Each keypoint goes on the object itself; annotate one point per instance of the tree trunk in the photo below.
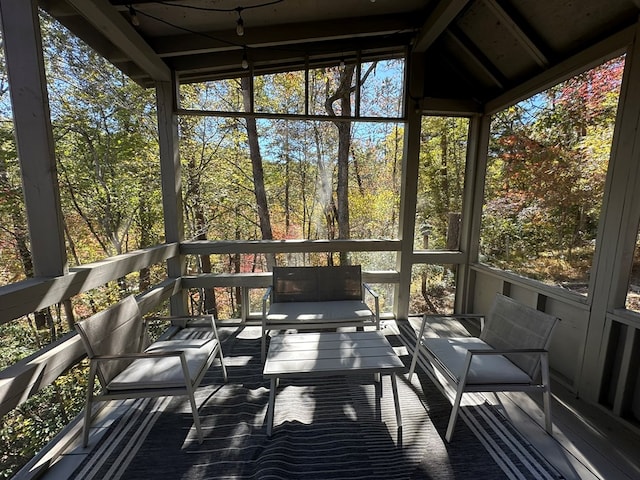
(453, 231)
(343, 94)
(258, 172)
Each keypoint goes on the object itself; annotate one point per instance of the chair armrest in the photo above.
(265, 299)
(376, 301)
(180, 320)
(423, 325)
(506, 351)
(135, 356)
(371, 291)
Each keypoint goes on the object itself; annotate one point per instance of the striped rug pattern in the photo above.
(326, 428)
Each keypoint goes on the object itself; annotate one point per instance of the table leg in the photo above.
(396, 400)
(272, 405)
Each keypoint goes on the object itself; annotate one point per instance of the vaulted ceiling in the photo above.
(471, 49)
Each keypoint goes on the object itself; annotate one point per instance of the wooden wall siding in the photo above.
(567, 343)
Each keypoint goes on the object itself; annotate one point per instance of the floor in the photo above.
(587, 443)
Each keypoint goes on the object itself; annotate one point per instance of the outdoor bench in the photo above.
(116, 341)
(311, 298)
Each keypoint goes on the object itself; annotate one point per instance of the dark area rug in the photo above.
(327, 428)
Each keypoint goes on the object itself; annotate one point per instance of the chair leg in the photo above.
(454, 412)
(417, 347)
(462, 383)
(191, 395)
(196, 417)
(548, 424)
(413, 361)
(88, 408)
(224, 367)
(546, 394)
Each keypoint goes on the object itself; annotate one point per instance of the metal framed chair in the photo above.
(115, 340)
(509, 355)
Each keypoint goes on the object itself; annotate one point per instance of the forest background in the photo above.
(274, 179)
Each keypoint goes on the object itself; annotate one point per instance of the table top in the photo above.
(326, 353)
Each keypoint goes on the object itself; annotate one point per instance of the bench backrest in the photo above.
(118, 329)
(511, 324)
(317, 284)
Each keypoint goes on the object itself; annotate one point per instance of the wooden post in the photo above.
(409, 185)
(617, 236)
(171, 184)
(34, 135)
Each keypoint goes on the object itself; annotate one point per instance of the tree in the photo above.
(258, 171)
(104, 127)
(545, 178)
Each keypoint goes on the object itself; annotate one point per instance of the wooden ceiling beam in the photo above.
(588, 58)
(473, 53)
(517, 28)
(208, 42)
(109, 22)
(288, 55)
(444, 13)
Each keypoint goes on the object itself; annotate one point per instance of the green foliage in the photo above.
(443, 151)
(28, 428)
(106, 147)
(545, 176)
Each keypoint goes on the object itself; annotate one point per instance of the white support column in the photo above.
(409, 185)
(171, 183)
(618, 229)
(34, 135)
(475, 173)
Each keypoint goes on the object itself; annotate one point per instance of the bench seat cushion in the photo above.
(318, 312)
(146, 373)
(485, 369)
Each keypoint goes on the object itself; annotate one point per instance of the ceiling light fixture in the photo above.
(240, 22)
(245, 62)
(135, 21)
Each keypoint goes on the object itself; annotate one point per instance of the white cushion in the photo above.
(485, 369)
(165, 372)
(318, 312)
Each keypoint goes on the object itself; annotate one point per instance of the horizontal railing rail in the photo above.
(203, 247)
(30, 375)
(34, 294)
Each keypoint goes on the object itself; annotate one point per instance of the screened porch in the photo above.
(453, 149)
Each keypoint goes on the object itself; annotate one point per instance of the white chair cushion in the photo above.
(485, 369)
(318, 312)
(166, 372)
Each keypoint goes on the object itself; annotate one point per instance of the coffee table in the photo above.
(330, 353)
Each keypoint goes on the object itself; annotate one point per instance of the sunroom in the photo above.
(179, 150)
